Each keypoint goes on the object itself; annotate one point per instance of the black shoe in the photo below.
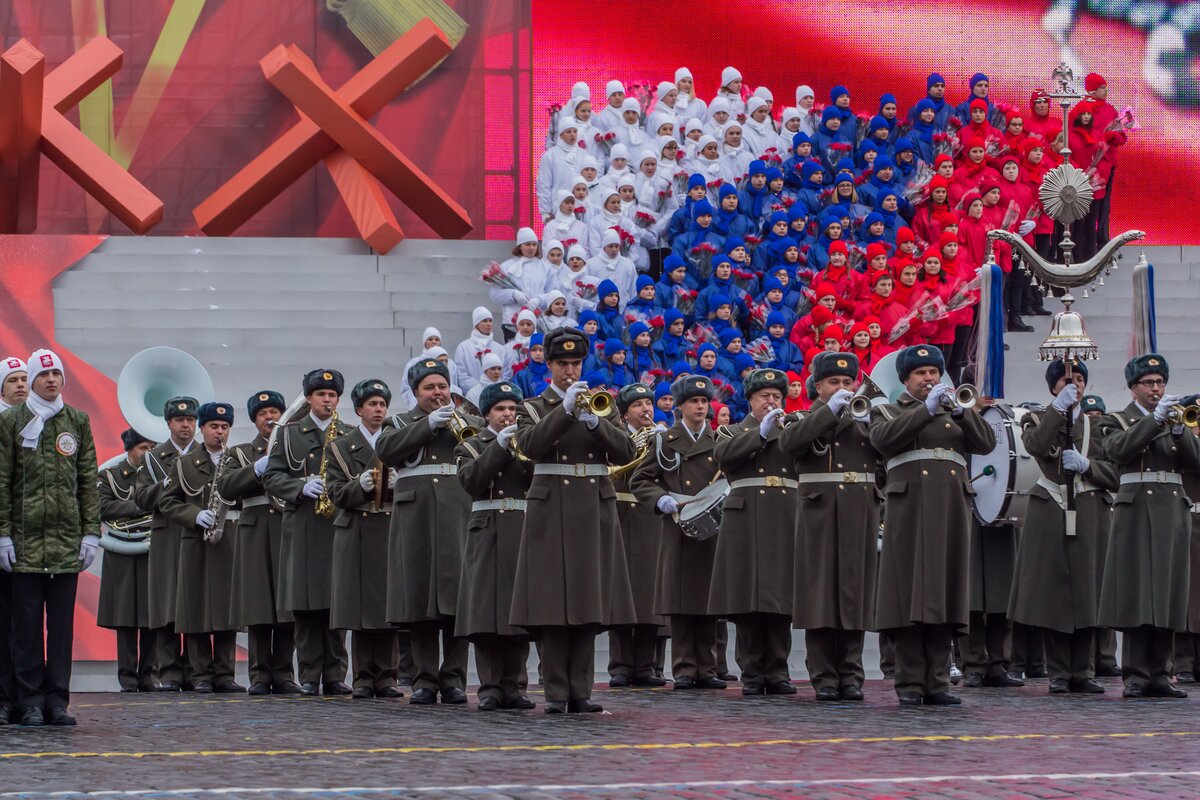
(362, 693)
(1037, 672)
(202, 687)
(287, 687)
(649, 680)
(259, 688)
(942, 699)
(336, 688)
(910, 699)
(619, 681)
(454, 696)
(148, 687)
(556, 707)
(752, 689)
(889, 676)
(490, 703)
(521, 703)
(404, 680)
(709, 683)
(1086, 686)
(583, 706)
(1106, 672)
(827, 693)
(1017, 325)
(389, 691)
(685, 683)
(310, 689)
(128, 689)
(58, 716)
(187, 686)
(229, 687)
(728, 677)
(169, 686)
(1164, 690)
(32, 717)
(6, 714)
(1185, 677)
(781, 687)
(1002, 681)
(851, 693)
(423, 697)
(1133, 690)
(973, 681)
(1040, 311)
(1060, 686)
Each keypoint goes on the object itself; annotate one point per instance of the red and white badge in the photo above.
(66, 443)
(47, 360)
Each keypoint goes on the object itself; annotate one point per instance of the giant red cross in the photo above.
(333, 128)
(32, 105)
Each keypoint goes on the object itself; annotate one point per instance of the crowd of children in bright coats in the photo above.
(717, 237)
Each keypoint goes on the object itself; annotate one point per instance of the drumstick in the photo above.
(988, 471)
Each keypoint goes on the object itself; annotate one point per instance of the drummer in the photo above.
(837, 529)
(681, 464)
(1060, 565)
(923, 594)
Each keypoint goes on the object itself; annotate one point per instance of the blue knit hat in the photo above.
(977, 77)
(595, 379)
(843, 176)
(702, 207)
(717, 300)
(871, 219)
(732, 243)
(925, 104)
(637, 329)
(742, 362)
(878, 122)
(707, 347)
(606, 288)
(837, 92)
(612, 346)
(885, 98)
(882, 162)
(809, 169)
(643, 281)
(933, 78)
(661, 389)
(672, 263)
(696, 181)
(776, 318)
(830, 112)
(800, 138)
(588, 315)
(728, 335)
(757, 167)
(844, 165)
(671, 316)
(726, 190)
(902, 145)
(770, 283)
(774, 174)
(775, 218)
(719, 259)
(682, 367)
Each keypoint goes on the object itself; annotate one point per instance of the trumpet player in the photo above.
(681, 464)
(124, 595)
(752, 570)
(294, 476)
(572, 578)
(1145, 589)
(206, 548)
(361, 490)
(428, 526)
(496, 478)
(631, 648)
(836, 528)
(923, 598)
(256, 557)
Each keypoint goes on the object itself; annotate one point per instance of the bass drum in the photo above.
(1003, 477)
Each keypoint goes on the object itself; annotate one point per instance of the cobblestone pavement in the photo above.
(651, 744)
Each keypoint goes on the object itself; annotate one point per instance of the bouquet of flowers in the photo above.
(657, 325)
(685, 300)
(680, 180)
(999, 117)
(862, 128)
(494, 275)
(643, 219)
(914, 190)
(567, 244)
(902, 327)
(955, 123)
(606, 140)
(586, 288)
(752, 242)
(996, 148)
(554, 109)
(967, 294)
(702, 334)
(644, 94)
(761, 350)
(723, 391)
(541, 322)
(836, 152)
(771, 156)
(702, 256)
(858, 258)
(627, 240)
(1125, 121)
(744, 279)
(946, 144)
(757, 313)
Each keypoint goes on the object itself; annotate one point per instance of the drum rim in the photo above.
(1011, 418)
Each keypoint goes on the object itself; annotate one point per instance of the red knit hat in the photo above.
(825, 290)
(976, 141)
(944, 219)
(938, 182)
(932, 252)
(905, 235)
(794, 377)
(943, 158)
(859, 327)
(875, 249)
(871, 319)
(1094, 81)
(833, 332)
(946, 238)
(979, 102)
(1031, 145)
(875, 275)
(838, 246)
(987, 185)
(821, 316)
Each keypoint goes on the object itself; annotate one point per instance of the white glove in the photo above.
(589, 419)
(1066, 398)
(260, 466)
(1074, 461)
(1164, 407)
(933, 401)
(87, 549)
(839, 401)
(8, 554)
(440, 417)
(1026, 226)
(520, 298)
(391, 478)
(769, 422)
(366, 479)
(205, 519)
(667, 504)
(505, 436)
(313, 487)
(571, 394)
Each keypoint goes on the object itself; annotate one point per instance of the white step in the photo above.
(153, 319)
(250, 283)
(232, 245)
(290, 264)
(331, 303)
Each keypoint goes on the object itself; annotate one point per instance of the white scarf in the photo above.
(370, 437)
(42, 410)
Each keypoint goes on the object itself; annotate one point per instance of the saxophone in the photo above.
(324, 505)
(217, 504)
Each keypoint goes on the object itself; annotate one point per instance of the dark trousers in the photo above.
(834, 657)
(986, 647)
(1015, 284)
(1083, 232)
(500, 661)
(444, 668)
(8, 687)
(721, 647)
(1104, 657)
(660, 655)
(375, 657)
(1069, 655)
(762, 645)
(1027, 650)
(887, 655)
(272, 650)
(959, 355)
(407, 670)
(568, 662)
(320, 651)
(1146, 655)
(693, 646)
(135, 658)
(1102, 236)
(1187, 651)
(42, 665)
(922, 658)
(170, 660)
(631, 650)
(212, 656)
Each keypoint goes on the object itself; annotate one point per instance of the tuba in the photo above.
(150, 379)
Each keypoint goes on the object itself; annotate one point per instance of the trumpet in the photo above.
(860, 408)
(964, 397)
(461, 428)
(595, 401)
(1188, 415)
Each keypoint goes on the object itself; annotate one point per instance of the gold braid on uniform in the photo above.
(724, 432)
(183, 484)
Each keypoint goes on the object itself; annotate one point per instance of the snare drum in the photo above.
(700, 518)
(1002, 494)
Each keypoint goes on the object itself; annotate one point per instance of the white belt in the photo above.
(1058, 490)
(626, 497)
(929, 454)
(232, 516)
(1158, 476)
(502, 504)
(572, 470)
(1196, 508)
(254, 502)
(836, 477)
(425, 470)
(772, 481)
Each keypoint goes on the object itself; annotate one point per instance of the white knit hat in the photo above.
(479, 315)
(43, 361)
(754, 104)
(610, 237)
(490, 360)
(729, 75)
(619, 150)
(612, 87)
(765, 94)
(526, 314)
(526, 236)
(790, 113)
(12, 364)
(803, 91)
(429, 332)
(577, 251)
(664, 87)
(630, 104)
(581, 89)
(681, 73)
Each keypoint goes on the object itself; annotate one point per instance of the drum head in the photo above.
(992, 492)
(705, 499)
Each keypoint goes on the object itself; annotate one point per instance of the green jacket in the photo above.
(48, 495)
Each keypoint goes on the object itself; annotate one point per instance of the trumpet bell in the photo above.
(150, 379)
(966, 396)
(596, 401)
(860, 407)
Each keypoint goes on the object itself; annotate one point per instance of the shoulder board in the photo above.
(725, 432)
(886, 412)
(1119, 418)
(1031, 419)
(532, 411)
(469, 446)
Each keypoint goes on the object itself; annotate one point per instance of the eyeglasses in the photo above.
(1152, 384)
